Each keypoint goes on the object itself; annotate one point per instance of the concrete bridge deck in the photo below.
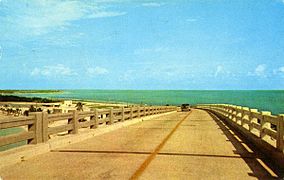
(181, 145)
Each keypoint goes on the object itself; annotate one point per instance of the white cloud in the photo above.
(152, 4)
(260, 70)
(127, 76)
(96, 71)
(106, 14)
(219, 70)
(279, 71)
(53, 71)
(38, 17)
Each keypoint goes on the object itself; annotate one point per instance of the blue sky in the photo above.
(111, 44)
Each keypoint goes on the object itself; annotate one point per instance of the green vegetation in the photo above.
(79, 106)
(7, 98)
(29, 91)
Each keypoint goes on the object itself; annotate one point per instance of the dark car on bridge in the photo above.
(185, 107)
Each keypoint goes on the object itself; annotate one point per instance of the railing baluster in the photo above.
(264, 123)
(252, 119)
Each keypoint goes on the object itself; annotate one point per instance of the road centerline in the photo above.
(149, 159)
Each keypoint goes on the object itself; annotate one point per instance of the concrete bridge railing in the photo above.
(262, 128)
(40, 126)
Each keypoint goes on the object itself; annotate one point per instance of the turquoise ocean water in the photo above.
(268, 100)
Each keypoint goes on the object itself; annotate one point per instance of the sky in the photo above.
(142, 44)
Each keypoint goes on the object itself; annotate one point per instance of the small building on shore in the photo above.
(68, 106)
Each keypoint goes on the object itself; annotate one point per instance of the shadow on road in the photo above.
(261, 166)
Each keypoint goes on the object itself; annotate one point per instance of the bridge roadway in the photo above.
(181, 145)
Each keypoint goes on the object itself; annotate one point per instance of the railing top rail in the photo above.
(59, 115)
(14, 119)
(42, 122)
(231, 106)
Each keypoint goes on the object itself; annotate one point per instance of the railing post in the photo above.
(244, 115)
(45, 127)
(251, 119)
(138, 111)
(74, 121)
(131, 113)
(264, 123)
(94, 120)
(239, 115)
(122, 114)
(234, 114)
(111, 117)
(280, 133)
(230, 112)
(226, 110)
(36, 127)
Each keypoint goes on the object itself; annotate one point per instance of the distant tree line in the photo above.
(7, 98)
(29, 91)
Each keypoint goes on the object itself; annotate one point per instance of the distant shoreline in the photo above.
(13, 99)
(29, 91)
